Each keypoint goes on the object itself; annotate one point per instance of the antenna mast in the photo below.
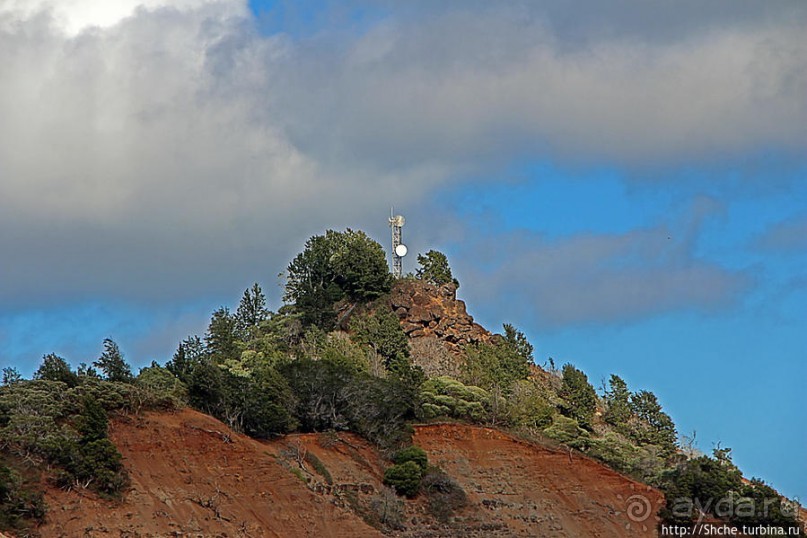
(399, 250)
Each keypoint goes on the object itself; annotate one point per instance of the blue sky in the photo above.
(626, 182)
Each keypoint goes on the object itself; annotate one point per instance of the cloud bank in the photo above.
(154, 150)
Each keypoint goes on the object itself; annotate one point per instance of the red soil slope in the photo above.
(521, 489)
(191, 476)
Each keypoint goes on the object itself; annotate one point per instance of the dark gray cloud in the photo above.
(173, 149)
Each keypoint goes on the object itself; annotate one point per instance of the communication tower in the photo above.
(399, 250)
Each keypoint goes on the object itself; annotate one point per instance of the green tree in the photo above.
(494, 365)
(10, 376)
(189, 354)
(580, 397)
(251, 311)
(434, 268)
(84, 370)
(335, 266)
(655, 426)
(55, 368)
(112, 364)
(518, 343)
(699, 483)
(221, 340)
(93, 423)
(381, 331)
(266, 401)
(617, 403)
(331, 396)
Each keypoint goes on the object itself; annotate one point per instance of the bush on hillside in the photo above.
(404, 478)
(447, 397)
(445, 496)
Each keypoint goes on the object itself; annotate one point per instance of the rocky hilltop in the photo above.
(428, 310)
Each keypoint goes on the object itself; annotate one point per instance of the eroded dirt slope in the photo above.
(191, 476)
(521, 489)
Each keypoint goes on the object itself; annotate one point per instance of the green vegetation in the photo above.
(55, 368)
(444, 494)
(404, 477)
(21, 504)
(381, 332)
(580, 399)
(714, 486)
(412, 453)
(113, 366)
(336, 266)
(449, 398)
(433, 267)
(499, 364)
(410, 466)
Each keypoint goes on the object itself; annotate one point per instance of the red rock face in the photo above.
(427, 310)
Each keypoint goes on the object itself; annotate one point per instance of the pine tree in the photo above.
(251, 311)
(617, 401)
(111, 363)
(55, 368)
(221, 338)
(581, 399)
(434, 268)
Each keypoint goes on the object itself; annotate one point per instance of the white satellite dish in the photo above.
(401, 250)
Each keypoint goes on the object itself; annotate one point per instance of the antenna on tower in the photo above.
(399, 250)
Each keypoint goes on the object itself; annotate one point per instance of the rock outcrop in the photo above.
(427, 310)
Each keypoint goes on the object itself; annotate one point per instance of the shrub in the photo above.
(528, 407)
(404, 478)
(340, 349)
(498, 364)
(761, 505)
(567, 431)
(331, 396)
(161, 388)
(444, 494)
(702, 481)
(20, 504)
(412, 453)
(642, 463)
(446, 397)
(318, 466)
(43, 421)
(381, 331)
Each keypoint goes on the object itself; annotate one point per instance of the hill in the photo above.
(364, 406)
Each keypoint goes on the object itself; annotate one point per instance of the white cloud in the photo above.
(74, 16)
(172, 148)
